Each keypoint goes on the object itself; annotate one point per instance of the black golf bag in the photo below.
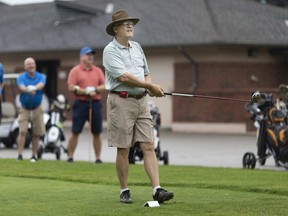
(272, 133)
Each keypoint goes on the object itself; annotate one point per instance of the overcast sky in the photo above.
(15, 2)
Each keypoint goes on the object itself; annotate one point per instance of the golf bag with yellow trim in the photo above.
(272, 133)
(277, 135)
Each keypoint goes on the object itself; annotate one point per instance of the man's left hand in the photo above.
(31, 88)
(90, 90)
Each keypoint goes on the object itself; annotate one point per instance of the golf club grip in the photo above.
(179, 94)
(167, 93)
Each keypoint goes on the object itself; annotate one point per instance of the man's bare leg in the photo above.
(150, 163)
(97, 146)
(21, 142)
(35, 143)
(151, 168)
(122, 166)
(72, 145)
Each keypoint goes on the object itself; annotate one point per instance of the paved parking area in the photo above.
(212, 150)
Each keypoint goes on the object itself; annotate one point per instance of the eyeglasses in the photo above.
(126, 24)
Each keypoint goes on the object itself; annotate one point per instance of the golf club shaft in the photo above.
(90, 127)
(206, 97)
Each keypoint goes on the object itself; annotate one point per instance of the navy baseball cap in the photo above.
(86, 50)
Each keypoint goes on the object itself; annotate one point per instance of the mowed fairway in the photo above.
(59, 188)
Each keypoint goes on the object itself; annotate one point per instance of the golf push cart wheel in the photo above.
(249, 161)
(166, 157)
(277, 164)
(131, 155)
(262, 161)
(40, 152)
(58, 153)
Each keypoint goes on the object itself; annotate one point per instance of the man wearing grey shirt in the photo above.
(128, 80)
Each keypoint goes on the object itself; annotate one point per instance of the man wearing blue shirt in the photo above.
(31, 84)
(1, 88)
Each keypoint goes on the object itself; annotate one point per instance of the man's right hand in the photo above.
(31, 88)
(156, 91)
(90, 90)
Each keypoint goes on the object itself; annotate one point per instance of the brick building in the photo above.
(220, 48)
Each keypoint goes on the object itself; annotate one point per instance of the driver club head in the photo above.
(256, 97)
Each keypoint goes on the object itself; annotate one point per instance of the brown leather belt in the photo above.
(125, 94)
(88, 101)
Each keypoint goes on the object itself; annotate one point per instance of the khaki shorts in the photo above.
(38, 127)
(128, 121)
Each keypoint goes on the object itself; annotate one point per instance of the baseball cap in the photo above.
(86, 50)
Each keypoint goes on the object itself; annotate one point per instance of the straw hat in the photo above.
(119, 16)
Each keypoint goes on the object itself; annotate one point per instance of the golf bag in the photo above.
(277, 134)
(54, 135)
(272, 133)
(135, 153)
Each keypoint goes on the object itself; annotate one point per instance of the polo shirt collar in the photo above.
(120, 45)
(84, 69)
(28, 75)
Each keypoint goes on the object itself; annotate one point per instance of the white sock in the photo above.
(122, 190)
(155, 189)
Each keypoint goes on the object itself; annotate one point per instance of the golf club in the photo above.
(31, 115)
(90, 127)
(254, 98)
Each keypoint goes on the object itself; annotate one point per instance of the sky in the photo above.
(108, 10)
(17, 2)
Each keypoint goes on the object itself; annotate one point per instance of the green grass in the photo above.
(58, 188)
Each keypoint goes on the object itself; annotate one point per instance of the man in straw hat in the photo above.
(129, 122)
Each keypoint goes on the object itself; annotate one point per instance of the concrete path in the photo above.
(211, 150)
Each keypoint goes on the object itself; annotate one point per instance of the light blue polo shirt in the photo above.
(118, 59)
(27, 101)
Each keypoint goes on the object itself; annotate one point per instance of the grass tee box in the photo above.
(58, 188)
